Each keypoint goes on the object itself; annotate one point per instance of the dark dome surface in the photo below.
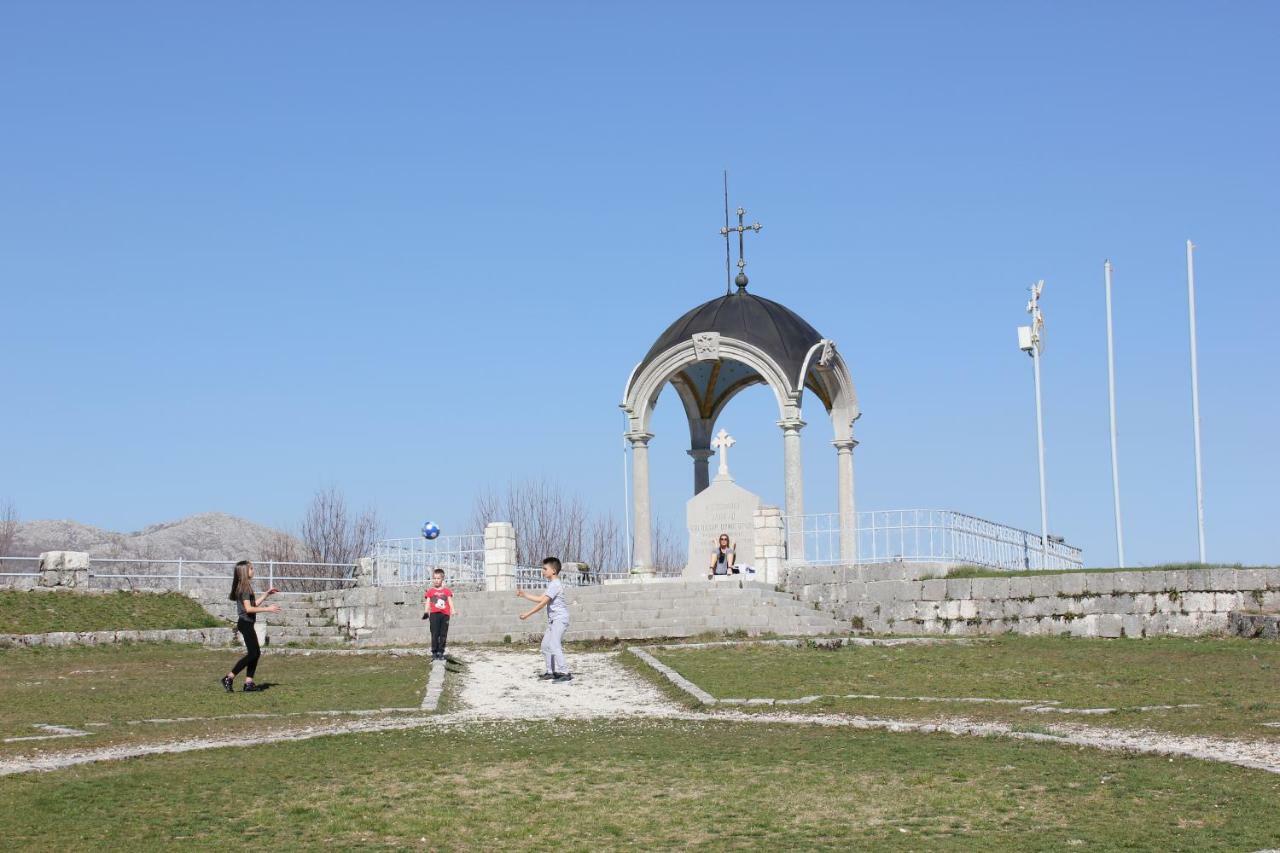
(774, 328)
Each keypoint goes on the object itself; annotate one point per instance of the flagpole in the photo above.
(1195, 394)
(1111, 393)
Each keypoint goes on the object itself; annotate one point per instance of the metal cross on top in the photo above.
(722, 442)
(741, 228)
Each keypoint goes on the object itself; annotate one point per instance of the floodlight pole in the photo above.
(1031, 343)
(1195, 394)
(1111, 392)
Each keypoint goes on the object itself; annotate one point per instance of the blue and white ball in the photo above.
(430, 530)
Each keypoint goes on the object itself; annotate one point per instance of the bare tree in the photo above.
(8, 528)
(550, 521)
(670, 548)
(282, 547)
(331, 533)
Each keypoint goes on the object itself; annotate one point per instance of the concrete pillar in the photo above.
(793, 473)
(769, 549)
(499, 556)
(701, 467)
(642, 529)
(848, 507)
(64, 568)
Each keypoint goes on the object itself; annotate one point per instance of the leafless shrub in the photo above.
(332, 534)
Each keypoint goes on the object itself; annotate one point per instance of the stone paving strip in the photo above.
(51, 733)
(435, 686)
(502, 688)
(824, 642)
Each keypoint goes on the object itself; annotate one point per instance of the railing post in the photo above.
(271, 573)
(179, 574)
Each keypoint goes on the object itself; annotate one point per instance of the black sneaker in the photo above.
(228, 684)
(250, 687)
(547, 676)
(562, 677)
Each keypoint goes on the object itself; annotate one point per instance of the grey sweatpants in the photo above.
(553, 645)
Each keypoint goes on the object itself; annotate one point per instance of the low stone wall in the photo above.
(214, 637)
(905, 600)
(1245, 624)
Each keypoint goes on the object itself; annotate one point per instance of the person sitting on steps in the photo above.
(722, 558)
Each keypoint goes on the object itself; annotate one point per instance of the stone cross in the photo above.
(722, 442)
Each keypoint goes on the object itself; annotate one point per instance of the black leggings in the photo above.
(439, 632)
(249, 663)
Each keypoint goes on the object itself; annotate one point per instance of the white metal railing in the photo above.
(925, 535)
(403, 562)
(530, 577)
(289, 576)
(13, 567)
(183, 574)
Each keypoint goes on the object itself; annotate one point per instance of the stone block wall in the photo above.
(911, 599)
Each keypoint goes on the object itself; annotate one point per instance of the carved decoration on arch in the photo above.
(645, 385)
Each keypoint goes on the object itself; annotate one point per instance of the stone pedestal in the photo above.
(68, 569)
(769, 545)
(499, 556)
(366, 571)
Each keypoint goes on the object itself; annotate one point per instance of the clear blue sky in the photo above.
(412, 250)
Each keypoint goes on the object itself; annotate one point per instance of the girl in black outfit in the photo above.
(247, 609)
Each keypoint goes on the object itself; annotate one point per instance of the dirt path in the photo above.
(503, 686)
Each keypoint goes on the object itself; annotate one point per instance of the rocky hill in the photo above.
(207, 536)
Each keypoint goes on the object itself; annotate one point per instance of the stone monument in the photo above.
(722, 507)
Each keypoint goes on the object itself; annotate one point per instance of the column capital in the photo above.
(701, 453)
(638, 438)
(792, 424)
(845, 445)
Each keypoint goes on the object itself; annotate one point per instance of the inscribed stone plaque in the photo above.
(722, 507)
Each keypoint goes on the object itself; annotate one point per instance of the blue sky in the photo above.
(414, 250)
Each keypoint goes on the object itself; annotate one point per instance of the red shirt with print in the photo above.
(439, 599)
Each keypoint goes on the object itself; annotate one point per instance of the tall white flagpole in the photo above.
(1111, 392)
(1195, 394)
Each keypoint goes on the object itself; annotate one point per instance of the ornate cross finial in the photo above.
(722, 442)
(741, 228)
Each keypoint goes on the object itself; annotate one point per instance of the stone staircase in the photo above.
(300, 620)
(634, 611)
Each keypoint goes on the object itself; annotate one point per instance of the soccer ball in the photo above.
(430, 530)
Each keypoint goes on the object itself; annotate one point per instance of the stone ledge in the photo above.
(58, 639)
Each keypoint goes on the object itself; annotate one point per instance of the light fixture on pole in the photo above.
(1111, 393)
(1031, 341)
(1195, 394)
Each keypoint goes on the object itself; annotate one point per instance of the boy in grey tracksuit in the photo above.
(553, 599)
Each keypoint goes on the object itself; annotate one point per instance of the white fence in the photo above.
(404, 562)
(186, 575)
(530, 577)
(928, 535)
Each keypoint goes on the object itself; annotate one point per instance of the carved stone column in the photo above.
(642, 562)
(793, 473)
(848, 507)
(701, 467)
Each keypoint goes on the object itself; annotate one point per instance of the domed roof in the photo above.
(772, 327)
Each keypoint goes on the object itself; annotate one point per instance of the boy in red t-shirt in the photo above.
(437, 606)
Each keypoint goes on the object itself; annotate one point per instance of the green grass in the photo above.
(112, 685)
(40, 612)
(983, 572)
(1236, 681)
(653, 785)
